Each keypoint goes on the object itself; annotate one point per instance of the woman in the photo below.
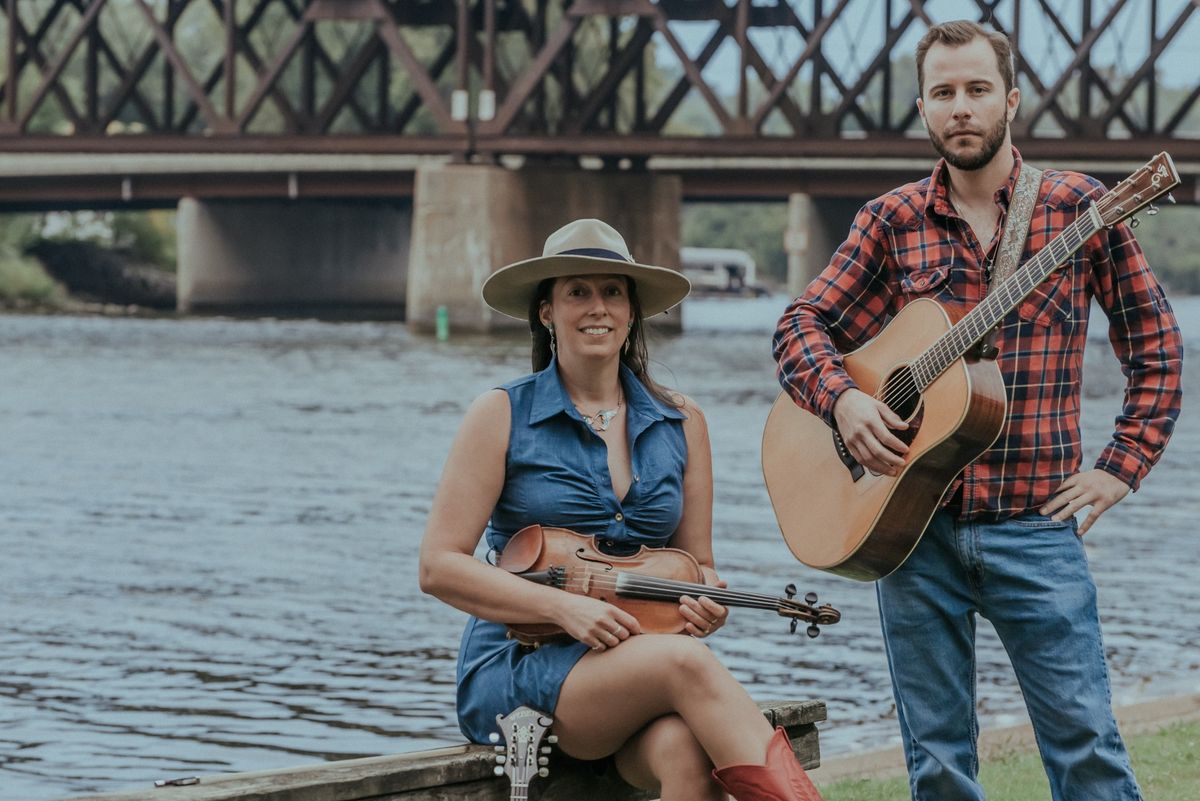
(590, 443)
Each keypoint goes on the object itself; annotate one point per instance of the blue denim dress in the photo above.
(556, 474)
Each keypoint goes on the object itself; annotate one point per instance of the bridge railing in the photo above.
(616, 79)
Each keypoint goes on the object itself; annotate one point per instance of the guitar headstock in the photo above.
(523, 756)
(1151, 181)
(806, 610)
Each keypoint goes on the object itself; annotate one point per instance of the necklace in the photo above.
(601, 420)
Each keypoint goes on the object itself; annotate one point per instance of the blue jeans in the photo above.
(1029, 576)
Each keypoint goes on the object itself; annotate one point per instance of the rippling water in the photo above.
(208, 535)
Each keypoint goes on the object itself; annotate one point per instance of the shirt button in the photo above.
(921, 282)
(618, 517)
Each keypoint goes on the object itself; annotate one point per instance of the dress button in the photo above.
(618, 517)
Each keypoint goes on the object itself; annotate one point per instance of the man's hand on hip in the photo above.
(1095, 488)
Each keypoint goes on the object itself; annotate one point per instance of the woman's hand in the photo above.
(703, 614)
(595, 623)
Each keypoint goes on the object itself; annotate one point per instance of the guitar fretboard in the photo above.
(975, 325)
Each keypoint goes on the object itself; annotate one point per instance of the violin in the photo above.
(647, 584)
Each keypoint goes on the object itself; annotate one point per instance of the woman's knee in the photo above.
(666, 756)
(689, 665)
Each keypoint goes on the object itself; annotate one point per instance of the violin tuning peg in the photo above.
(810, 598)
(790, 590)
(494, 737)
(499, 771)
(543, 772)
(792, 628)
(813, 631)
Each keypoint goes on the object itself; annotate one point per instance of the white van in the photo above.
(720, 271)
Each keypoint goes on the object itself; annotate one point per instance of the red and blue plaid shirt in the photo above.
(910, 243)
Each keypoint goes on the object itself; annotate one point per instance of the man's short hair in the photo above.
(958, 33)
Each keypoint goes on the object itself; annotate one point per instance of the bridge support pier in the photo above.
(816, 226)
(299, 256)
(469, 220)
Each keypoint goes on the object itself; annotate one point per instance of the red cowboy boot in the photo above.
(780, 779)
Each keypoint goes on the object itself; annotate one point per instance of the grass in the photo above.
(24, 282)
(1167, 764)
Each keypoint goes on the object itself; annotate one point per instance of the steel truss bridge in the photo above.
(144, 101)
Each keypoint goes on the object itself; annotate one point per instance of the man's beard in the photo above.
(992, 140)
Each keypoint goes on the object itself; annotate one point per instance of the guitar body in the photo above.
(864, 527)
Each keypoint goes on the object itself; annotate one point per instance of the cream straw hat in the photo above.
(582, 247)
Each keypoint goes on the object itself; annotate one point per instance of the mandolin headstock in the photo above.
(522, 757)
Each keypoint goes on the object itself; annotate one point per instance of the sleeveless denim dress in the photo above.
(556, 474)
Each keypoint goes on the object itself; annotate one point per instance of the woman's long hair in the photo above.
(635, 357)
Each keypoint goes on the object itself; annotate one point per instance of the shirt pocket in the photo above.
(927, 280)
(1050, 302)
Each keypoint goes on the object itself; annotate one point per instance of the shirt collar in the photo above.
(937, 196)
(550, 398)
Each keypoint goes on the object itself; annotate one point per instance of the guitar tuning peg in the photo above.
(1134, 222)
(553, 738)
(499, 771)
(543, 772)
(1170, 198)
(543, 760)
(813, 631)
(810, 598)
(1152, 210)
(494, 737)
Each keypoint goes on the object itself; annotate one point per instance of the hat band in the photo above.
(599, 253)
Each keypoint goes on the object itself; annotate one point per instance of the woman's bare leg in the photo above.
(665, 757)
(609, 696)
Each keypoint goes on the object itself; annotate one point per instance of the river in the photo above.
(209, 531)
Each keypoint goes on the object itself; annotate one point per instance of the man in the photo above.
(1005, 543)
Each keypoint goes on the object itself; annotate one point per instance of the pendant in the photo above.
(605, 416)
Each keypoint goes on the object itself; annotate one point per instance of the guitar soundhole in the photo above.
(900, 393)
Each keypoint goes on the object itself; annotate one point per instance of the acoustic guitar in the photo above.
(928, 367)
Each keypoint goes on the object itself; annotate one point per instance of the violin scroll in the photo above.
(816, 616)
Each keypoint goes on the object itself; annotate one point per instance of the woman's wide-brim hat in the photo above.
(583, 247)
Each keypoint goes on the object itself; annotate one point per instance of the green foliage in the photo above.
(754, 227)
(1167, 766)
(22, 279)
(147, 237)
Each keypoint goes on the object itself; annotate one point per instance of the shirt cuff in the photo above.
(1124, 463)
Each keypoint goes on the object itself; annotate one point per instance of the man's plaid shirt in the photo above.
(910, 243)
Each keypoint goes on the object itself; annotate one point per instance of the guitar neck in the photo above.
(973, 327)
(649, 588)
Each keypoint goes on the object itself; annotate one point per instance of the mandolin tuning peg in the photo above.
(499, 771)
(543, 772)
(552, 739)
(545, 749)
(810, 598)
(501, 759)
(790, 591)
(813, 631)
(494, 737)
(499, 749)
(543, 760)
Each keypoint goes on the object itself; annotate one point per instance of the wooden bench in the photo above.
(457, 773)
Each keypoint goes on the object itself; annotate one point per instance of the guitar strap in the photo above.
(1012, 240)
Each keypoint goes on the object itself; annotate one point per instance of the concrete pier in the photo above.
(816, 226)
(304, 256)
(469, 220)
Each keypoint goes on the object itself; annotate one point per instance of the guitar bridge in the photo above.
(856, 470)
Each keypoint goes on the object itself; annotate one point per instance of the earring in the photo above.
(553, 341)
(628, 331)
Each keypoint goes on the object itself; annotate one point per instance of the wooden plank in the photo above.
(457, 773)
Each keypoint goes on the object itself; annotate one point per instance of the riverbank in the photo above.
(1136, 719)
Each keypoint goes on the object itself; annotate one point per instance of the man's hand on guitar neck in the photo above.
(866, 426)
(1095, 488)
